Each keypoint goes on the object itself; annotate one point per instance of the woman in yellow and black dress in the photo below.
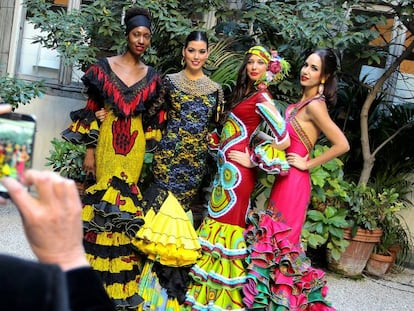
(126, 89)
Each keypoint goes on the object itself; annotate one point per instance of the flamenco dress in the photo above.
(180, 164)
(110, 203)
(279, 275)
(219, 275)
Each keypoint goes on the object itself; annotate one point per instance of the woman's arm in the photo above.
(89, 161)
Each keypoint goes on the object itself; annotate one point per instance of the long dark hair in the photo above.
(196, 35)
(242, 84)
(329, 67)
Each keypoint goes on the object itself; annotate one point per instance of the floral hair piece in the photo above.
(277, 67)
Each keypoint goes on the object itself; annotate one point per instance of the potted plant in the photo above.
(362, 234)
(67, 159)
(368, 212)
(382, 258)
(395, 239)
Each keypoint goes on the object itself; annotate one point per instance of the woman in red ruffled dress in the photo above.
(219, 275)
(280, 276)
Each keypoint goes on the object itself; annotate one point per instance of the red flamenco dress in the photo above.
(219, 275)
(113, 201)
(280, 276)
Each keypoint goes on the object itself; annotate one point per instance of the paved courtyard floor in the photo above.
(392, 293)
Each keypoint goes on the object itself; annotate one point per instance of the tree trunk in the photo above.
(367, 155)
(366, 170)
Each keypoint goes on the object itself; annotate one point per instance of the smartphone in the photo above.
(17, 135)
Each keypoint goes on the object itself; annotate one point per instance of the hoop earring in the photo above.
(321, 87)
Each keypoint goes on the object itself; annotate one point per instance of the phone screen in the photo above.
(17, 134)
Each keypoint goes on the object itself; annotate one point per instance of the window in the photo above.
(37, 62)
(393, 37)
(392, 31)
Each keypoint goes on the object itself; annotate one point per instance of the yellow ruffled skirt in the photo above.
(168, 236)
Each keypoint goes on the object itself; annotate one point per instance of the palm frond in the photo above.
(223, 63)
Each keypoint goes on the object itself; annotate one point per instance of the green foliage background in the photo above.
(293, 28)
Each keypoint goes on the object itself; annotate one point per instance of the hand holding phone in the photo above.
(17, 134)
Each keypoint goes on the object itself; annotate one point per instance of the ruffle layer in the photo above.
(155, 297)
(274, 121)
(83, 130)
(111, 207)
(163, 288)
(279, 275)
(269, 158)
(168, 236)
(106, 212)
(111, 256)
(219, 274)
(125, 101)
(203, 298)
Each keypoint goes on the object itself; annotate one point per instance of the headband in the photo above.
(261, 52)
(136, 21)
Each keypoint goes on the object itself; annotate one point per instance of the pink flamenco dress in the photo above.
(279, 275)
(219, 275)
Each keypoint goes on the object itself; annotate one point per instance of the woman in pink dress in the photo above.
(279, 273)
(218, 276)
(22, 158)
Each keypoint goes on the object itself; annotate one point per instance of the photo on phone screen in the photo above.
(17, 134)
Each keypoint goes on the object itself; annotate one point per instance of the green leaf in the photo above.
(330, 211)
(336, 232)
(335, 254)
(315, 215)
(316, 240)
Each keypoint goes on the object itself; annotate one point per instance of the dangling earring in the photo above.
(218, 112)
(183, 62)
(220, 107)
(321, 87)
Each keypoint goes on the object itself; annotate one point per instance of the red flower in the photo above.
(275, 67)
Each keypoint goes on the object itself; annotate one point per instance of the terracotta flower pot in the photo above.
(378, 264)
(354, 259)
(394, 250)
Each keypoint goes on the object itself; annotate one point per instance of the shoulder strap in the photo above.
(306, 102)
(296, 109)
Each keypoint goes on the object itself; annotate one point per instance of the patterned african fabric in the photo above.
(279, 275)
(180, 164)
(113, 200)
(219, 275)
